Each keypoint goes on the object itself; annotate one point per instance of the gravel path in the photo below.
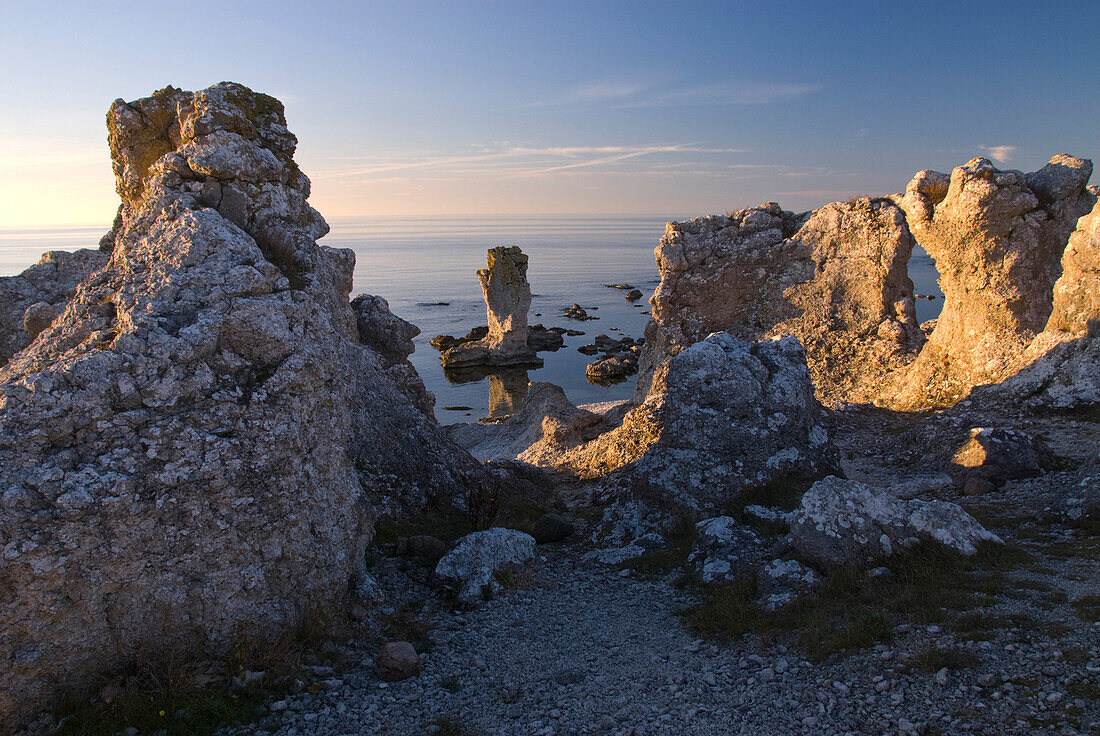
(588, 650)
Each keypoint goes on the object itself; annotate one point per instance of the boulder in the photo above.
(507, 300)
(724, 549)
(468, 570)
(841, 522)
(540, 338)
(551, 528)
(200, 439)
(835, 278)
(781, 582)
(611, 369)
(396, 660)
(996, 455)
(998, 239)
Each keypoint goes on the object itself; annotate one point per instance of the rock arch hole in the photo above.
(926, 287)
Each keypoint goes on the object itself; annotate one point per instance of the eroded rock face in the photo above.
(200, 439)
(998, 239)
(32, 300)
(507, 301)
(1076, 303)
(391, 338)
(835, 278)
(842, 522)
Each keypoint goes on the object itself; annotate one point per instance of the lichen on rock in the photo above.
(200, 441)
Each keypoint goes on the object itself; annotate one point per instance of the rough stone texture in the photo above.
(32, 300)
(845, 521)
(1076, 303)
(468, 569)
(396, 661)
(667, 448)
(724, 549)
(199, 440)
(781, 582)
(507, 300)
(835, 278)
(997, 455)
(997, 238)
(391, 338)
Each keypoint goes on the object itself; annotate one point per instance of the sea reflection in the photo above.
(507, 386)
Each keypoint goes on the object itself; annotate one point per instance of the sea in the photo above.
(425, 268)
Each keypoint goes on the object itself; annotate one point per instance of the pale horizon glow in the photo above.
(664, 110)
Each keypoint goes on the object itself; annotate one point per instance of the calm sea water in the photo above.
(418, 263)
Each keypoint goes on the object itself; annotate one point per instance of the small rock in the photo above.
(396, 660)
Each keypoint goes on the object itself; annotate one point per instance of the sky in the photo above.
(662, 109)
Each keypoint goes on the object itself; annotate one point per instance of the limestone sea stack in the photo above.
(507, 301)
(196, 439)
(998, 239)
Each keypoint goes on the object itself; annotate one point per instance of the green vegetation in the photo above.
(448, 726)
(931, 659)
(176, 695)
(1088, 608)
(662, 561)
(408, 623)
(928, 584)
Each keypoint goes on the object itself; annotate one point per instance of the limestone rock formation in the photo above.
(667, 448)
(1076, 303)
(845, 521)
(998, 239)
(200, 439)
(32, 300)
(507, 300)
(835, 278)
(391, 338)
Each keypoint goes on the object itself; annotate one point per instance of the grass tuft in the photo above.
(929, 584)
(933, 658)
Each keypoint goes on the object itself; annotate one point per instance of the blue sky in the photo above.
(663, 109)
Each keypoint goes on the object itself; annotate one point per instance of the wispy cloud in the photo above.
(626, 95)
(1002, 154)
(510, 160)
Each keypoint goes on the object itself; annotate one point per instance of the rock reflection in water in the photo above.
(507, 386)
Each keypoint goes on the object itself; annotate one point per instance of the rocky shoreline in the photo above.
(815, 513)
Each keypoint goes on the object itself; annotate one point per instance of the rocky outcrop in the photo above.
(667, 448)
(391, 338)
(835, 278)
(725, 550)
(200, 441)
(998, 239)
(507, 300)
(842, 522)
(1075, 308)
(32, 300)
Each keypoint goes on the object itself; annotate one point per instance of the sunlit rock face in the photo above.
(998, 239)
(835, 278)
(196, 447)
(507, 301)
(1059, 369)
(32, 300)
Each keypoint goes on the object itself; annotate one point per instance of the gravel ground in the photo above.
(583, 648)
(587, 650)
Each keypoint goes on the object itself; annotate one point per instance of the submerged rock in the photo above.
(201, 438)
(611, 369)
(845, 521)
(507, 301)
